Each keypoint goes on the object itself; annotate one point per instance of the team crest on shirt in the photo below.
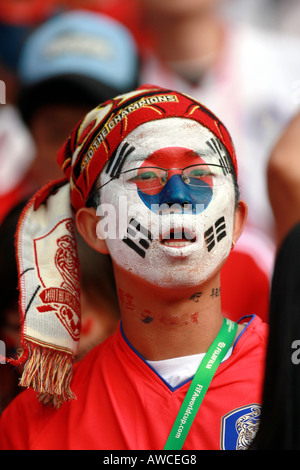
(239, 427)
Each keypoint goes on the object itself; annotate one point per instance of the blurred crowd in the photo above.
(59, 59)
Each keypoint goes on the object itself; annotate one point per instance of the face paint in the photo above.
(173, 189)
(171, 248)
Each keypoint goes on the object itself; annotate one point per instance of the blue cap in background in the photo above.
(82, 43)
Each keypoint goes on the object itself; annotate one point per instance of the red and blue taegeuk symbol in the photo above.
(193, 198)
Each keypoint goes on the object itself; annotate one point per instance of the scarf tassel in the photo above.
(48, 372)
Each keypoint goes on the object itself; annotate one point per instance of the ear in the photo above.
(240, 218)
(88, 226)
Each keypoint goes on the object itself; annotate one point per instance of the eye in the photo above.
(145, 176)
(146, 179)
(203, 175)
(199, 173)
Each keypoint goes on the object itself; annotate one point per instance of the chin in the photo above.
(173, 275)
(172, 267)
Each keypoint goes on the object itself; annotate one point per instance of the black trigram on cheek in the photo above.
(138, 238)
(223, 157)
(209, 237)
(215, 233)
(117, 160)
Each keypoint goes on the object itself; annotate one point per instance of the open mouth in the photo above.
(178, 238)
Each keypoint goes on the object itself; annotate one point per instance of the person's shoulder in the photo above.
(249, 349)
(255, 331)
(257, 325)
(260, 328)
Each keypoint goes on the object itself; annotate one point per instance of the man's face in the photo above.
(170, 228)
(50, 127)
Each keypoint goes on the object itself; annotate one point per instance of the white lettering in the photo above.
(2, 352)
(116, 119)
(295, 356)
(113, 460)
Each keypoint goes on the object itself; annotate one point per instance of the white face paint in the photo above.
(142, 243)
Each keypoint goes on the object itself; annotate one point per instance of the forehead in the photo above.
(168, 143)
(152, 136)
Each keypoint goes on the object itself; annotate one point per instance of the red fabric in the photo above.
(245, 287)
(123, 404)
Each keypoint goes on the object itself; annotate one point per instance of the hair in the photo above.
(280, 417)
(94, 199)
(235, 184)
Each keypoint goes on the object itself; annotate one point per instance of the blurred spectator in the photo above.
(17, 151)
(67, 66)
(284, 179)
(287, 16)
(9, 317)
(16, 144)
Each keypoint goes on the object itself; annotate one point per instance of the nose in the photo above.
(192, 200)
(176, 192)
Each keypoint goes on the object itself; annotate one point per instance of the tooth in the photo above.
(177, 243)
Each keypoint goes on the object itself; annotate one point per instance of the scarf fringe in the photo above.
(49, 372)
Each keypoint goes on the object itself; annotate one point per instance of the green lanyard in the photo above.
(200, 384)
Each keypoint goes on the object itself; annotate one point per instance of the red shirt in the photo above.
(123, 404)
